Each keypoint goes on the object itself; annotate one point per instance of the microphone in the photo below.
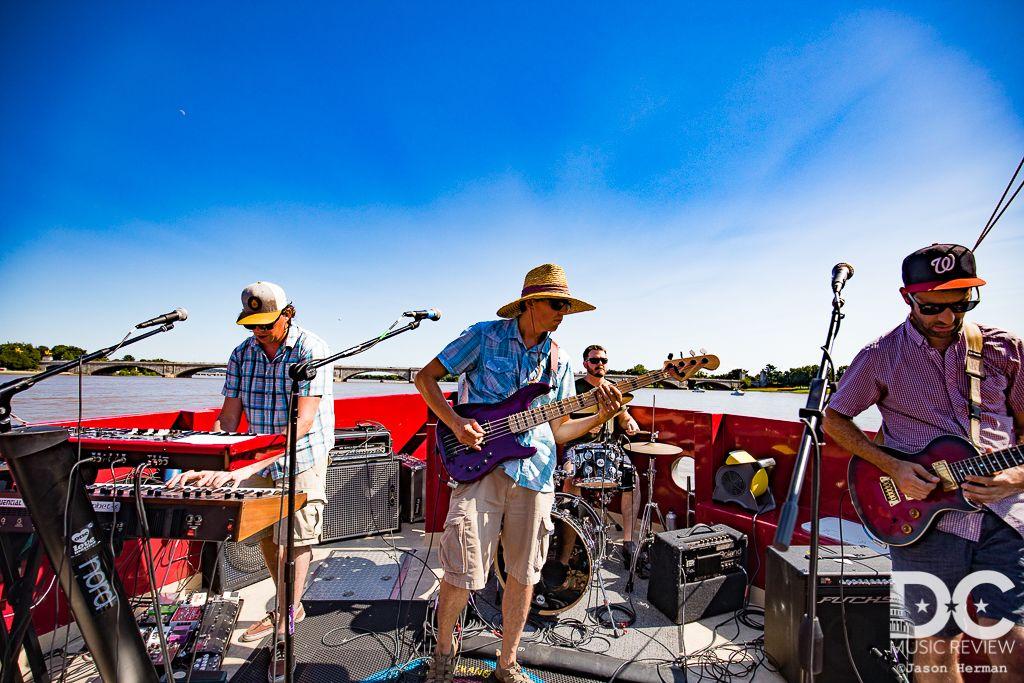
(173, 316)
(841, 272)
(428, 314)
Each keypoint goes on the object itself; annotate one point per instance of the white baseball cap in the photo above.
(262, 303)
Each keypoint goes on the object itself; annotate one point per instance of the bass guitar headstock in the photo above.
(684, 368)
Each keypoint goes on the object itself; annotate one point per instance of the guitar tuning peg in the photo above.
(692, 353)
(703, 351)
(670, 356)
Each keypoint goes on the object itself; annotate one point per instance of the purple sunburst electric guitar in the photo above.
(502, 422)
(893, 518)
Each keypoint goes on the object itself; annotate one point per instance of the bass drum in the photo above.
(566, 575)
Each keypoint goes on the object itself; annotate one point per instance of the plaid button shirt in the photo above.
(492, 362)
(923, 393)
(263, 386)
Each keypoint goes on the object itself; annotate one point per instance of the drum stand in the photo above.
(602, 551)
(644, 534)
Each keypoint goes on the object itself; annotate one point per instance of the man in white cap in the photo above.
(494, 359)
(257, 385)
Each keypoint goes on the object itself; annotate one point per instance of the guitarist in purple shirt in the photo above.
(917, 376)
(494, 360)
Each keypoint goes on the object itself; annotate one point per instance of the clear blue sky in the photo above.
(697, 172)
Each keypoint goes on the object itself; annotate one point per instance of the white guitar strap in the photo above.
(975, 373)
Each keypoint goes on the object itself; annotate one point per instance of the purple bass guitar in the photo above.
(503, 421)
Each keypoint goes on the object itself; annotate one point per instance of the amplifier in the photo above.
(695, 572)
(412, 487)
(233, 567)
(362, 442)
(703, 551)
(362, 499)
(851, 577)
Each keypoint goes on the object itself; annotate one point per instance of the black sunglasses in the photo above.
(935, 309)
(598, 361)
(266, 327)
(559, 305)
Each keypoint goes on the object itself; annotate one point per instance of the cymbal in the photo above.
(653, 448)
(593, 410)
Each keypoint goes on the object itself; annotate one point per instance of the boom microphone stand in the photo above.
(818, 395)
(303, 372)
(15, 386)
(43, 465)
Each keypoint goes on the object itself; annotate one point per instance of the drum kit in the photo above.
(578, 545)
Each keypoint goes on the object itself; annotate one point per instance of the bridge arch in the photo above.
(191, 371)
(371, 374)
(113, 368)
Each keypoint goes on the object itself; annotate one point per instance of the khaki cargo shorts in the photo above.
(474, 527)
(309, 520)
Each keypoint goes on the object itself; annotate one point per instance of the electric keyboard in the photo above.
(187, 450)
(195, 513)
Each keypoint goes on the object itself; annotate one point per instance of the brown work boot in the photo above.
(513, 674)
(442, 668)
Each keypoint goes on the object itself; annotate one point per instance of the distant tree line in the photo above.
(25, 356)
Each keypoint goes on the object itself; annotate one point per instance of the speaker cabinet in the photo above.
(362, 499)
(860, 583)
(233, 566)
(411, 486)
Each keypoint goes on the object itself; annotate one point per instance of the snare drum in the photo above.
(596, 465)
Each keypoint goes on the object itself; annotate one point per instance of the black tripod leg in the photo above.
(19, 596)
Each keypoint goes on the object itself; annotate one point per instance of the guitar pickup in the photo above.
(890, 491)
(941, 468)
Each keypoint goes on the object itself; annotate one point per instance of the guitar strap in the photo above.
(553, 359)
(975, 373)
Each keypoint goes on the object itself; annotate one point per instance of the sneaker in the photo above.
(442, 668)
(277, 671)
(261, 629)
(265, 626)
(513, 674)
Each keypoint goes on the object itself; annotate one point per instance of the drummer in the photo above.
(595, 361)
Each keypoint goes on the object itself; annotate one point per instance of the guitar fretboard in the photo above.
(987, 464)
(528, 419)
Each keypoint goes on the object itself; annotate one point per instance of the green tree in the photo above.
(66, 352)
(799, 377)
(637, 369)
(773, 375)
(128, 357)
(19, 356)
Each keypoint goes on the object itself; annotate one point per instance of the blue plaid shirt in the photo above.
(493, 363)
(263, 386)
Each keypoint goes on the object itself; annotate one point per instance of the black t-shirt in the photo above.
(608, 430)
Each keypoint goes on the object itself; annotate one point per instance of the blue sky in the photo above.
(697, 172)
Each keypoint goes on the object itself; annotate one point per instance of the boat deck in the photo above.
(366, 603)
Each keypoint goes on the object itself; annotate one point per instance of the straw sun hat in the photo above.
(545, 282)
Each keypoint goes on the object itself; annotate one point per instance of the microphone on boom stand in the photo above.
(172, 317)
(427, 314)
(841, 272)
(811, 638)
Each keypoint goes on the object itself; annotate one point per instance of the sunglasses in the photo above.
(598, 361)
(935, 309)
(265, 327)
(559, 305)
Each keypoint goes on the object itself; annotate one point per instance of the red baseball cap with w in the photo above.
(938, 267)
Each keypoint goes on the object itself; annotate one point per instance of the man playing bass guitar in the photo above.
(493, 360)
(917, 376)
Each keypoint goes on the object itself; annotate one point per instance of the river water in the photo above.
(57, 398)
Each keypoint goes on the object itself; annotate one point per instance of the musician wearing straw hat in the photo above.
(493, 360)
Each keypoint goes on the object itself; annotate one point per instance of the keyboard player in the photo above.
(257, 385)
